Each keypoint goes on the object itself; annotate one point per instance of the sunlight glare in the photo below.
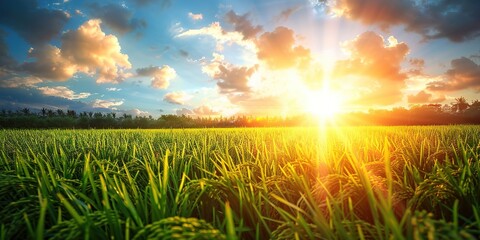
(323, 103)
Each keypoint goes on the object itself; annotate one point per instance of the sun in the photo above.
(323, 103)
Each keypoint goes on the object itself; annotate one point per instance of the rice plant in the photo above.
(258, 183)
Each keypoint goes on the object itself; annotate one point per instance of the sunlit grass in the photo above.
(279, 183)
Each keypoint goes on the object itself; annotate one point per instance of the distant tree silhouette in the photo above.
(460, 104)
(458, 112)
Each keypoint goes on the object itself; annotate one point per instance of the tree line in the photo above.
(459, 112)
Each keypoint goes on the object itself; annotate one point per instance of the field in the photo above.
(272, 183)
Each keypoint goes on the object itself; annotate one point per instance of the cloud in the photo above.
(184, 111)
(424, 97)
(113, 89)
(62, 92)
(463, 74)
(243, 25)
(456, 20)
(88, 50)
(285, 14)
(117, 17)
(17, 98)
(205, 111)
(36, 25)
(418, 65)
(161, 76)
(230, 78)
(195, 17)
(10, 79)
(6, 60)
(222, 37)
(278, 51)
(176, 97)
(50, 64)
(99, 103)
(376, 66)
(183, 53)
(163, 3)
(135, 112)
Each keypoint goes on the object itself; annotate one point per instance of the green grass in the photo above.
(275, 183)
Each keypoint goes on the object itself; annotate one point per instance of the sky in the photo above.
(223, 58)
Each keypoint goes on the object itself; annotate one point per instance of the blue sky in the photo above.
(211, 58)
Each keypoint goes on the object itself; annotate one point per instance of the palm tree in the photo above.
(460, 104)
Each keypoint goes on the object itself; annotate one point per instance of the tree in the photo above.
(460, 104)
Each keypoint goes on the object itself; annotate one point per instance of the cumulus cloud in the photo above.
(424, 97)
(278, 49)
(455, 20)
(205, 111)
(50, 64)
(161, 76)
(177, 97)
(222, 37)
(463, 74)
(377, 65)
(230, 78)
(117, 17)
(242, 24)
(99, 103)
(194, 16)
(63, 92)
(36, 25)
(88, 50)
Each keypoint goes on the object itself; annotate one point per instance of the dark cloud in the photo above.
(162, 3)
(418, 65)
(456, 20)
(34, 24)
(463, 74)
(242, 24)
(285, 14)
(377, 65)
(6, 61)
(184, 111)
(117, 17)
(424, 97)
(183, 53)
(278, 49)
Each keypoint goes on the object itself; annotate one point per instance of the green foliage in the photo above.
(270, 183)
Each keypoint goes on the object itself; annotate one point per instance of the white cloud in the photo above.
(99, 103)
(62, 92)
(195, 17)
(222, 37)
(114, 89)
(161, 76)
(177, 97)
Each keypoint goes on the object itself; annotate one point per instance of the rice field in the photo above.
(257, 183)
